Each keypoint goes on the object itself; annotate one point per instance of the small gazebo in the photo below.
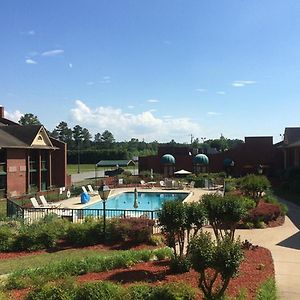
(200, 163)
(168, 162)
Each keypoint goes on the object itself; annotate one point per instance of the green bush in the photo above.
(267, 291)
(254, 185)
(99, 291)
(6, 238)
(224, 213)
(173, 291)
(156, 240)
(223, 257)
(139, 292)
(180, 264)
(88, 233)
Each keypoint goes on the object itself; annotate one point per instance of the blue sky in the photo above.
(153, 70)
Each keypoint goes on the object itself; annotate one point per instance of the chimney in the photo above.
(1, 112)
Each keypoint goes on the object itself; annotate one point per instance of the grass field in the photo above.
(73, 168)
(38, 260)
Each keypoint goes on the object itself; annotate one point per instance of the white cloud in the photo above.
(13, 116)
(201, 90)
(70, 65)
(29, 32)
(105, 79)
(167, 42)
(221, 93)
(125, 126)
(213, 113)
(53, 52)
(152, 100)
(90, 83)
(30, 61)
(130, 106)
(241, 83)
(167, 116)
(153, 110)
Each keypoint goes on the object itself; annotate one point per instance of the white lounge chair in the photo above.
(144, 184)
(162, 184)
(46, 204)
(34, 203)
(84, 189)
(92, 192)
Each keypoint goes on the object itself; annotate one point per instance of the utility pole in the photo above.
(192, 137)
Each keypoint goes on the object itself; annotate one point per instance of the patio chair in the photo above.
(162, 184)
(48, 204)
(144, 184)
(192, 184)
(34, 203)
(92, 192)
(84, 189)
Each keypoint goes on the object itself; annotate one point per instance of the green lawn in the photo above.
(72, 168)
(38, 260)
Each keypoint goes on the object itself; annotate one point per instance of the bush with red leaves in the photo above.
(133, 229)
(265, 212)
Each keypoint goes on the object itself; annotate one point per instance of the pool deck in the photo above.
(194, 195)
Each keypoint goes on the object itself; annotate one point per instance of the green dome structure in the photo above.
(168, 159)
(201, 159)
(228, 162)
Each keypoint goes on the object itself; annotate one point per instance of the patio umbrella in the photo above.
(135, 203)
(182, 172)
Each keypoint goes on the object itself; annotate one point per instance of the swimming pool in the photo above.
(146, 201)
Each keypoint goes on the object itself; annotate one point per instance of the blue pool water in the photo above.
(146, 201)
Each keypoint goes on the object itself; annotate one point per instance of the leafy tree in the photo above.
(224, 213)
(255, 185)
(178, 220)
(216, 261)
(97, 138)
(29, 119)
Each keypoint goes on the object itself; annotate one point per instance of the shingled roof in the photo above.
(16, 136)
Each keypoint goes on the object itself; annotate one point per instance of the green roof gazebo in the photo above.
(168, 162)
(200, 163)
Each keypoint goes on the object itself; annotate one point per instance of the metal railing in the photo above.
(30, 214)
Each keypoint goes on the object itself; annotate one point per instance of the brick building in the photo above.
(30, 160)
(256, 154)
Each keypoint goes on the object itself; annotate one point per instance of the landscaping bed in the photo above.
(256, 268)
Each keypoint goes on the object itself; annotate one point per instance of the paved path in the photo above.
(284, 243)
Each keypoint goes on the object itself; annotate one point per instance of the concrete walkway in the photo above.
(284, 243)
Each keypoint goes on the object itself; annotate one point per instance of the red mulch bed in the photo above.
(255, 269)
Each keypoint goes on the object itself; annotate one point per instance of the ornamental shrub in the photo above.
(264, 212)
(216, 262)
(138, 230)
(224, 213)
(254, 185)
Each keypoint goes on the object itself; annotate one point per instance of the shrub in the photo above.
(223, 257)
(6, 238)
(178, 220)
(99, 291)
(139, 292)
(270, 198)
(254, 185)
(224, 213)
(157, 240)
(132, 229)
(180, 264)
(264, 212)
(267, 291)
(173, 291)
(88, 233)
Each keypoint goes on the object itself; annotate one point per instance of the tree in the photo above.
(97, 138)
(29, 119)
(63, 132)
(216, 262)
(107, 137)
(224, 213)
(86, 138)
(77, 134)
